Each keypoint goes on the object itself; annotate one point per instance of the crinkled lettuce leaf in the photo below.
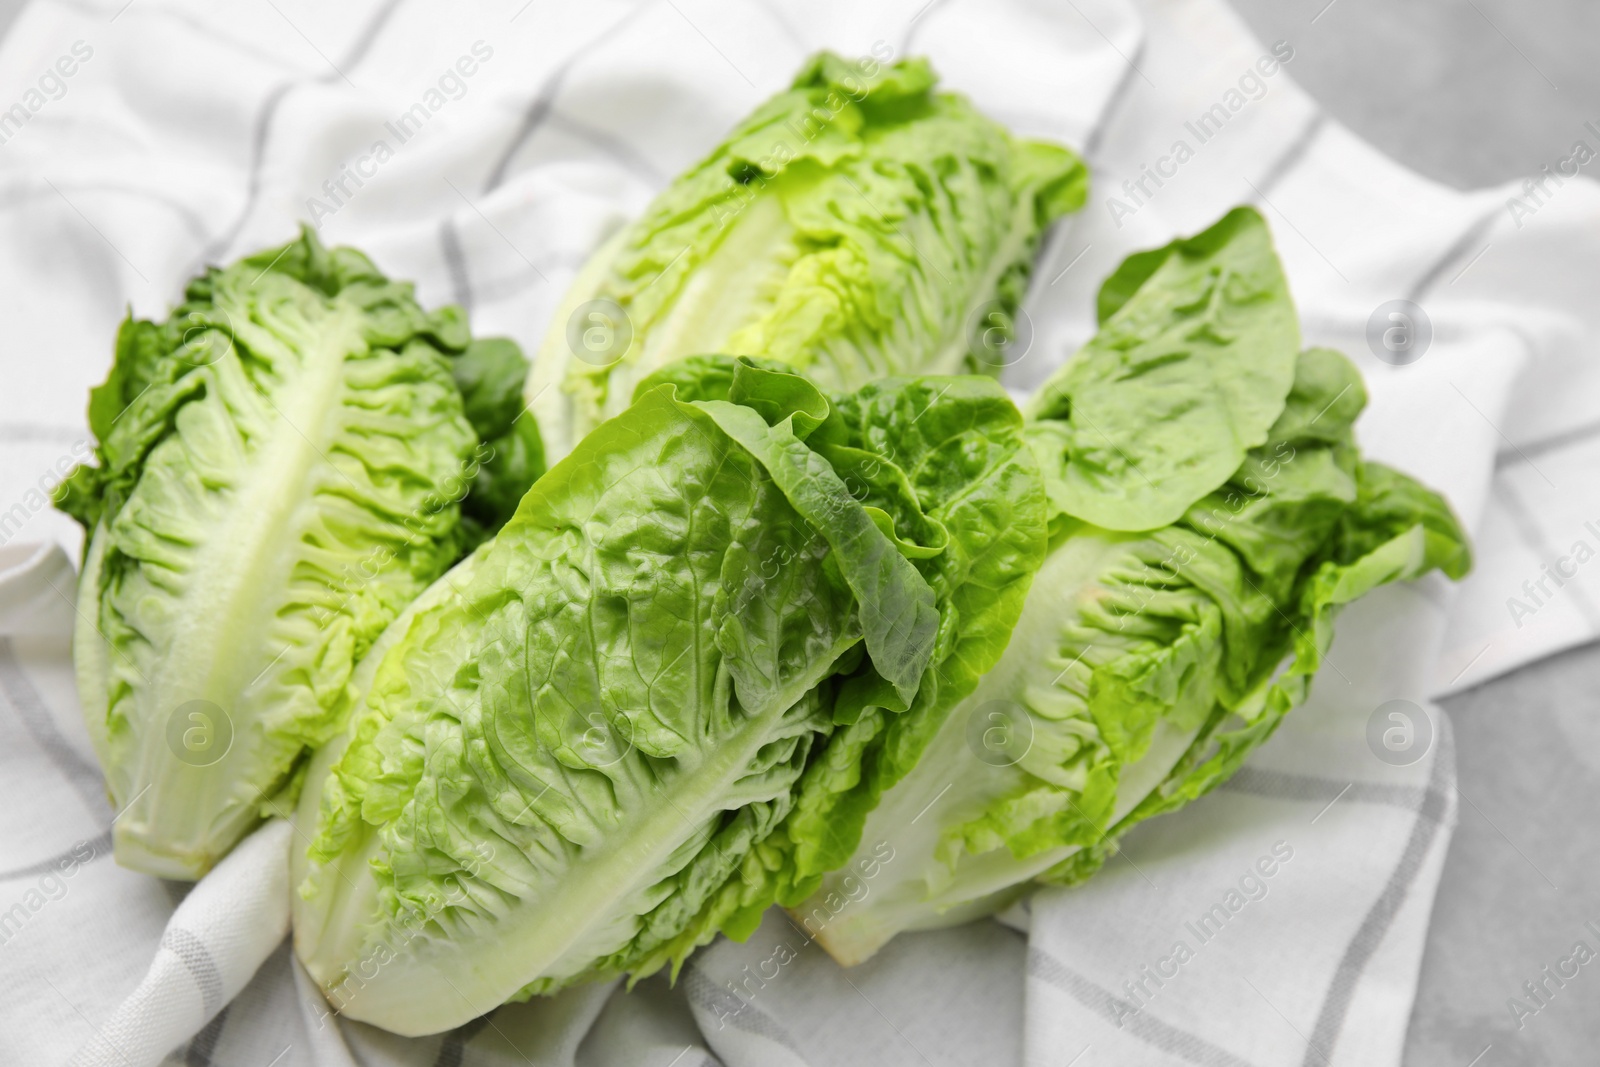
(1397, 530)
(1145, 667)
(853, 227)
(280, 470)
(1190, 367)
(490, 373)
(571, 754)
(968, 507)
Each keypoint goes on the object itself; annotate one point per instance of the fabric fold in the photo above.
(195, 135)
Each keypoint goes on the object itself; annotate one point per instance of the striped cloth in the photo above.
(1279, 921)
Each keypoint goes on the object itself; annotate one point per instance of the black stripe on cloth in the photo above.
(1124, 1015)
(258, 152)
(538, 112)
(1466, 242)
(1533, 536)
(98, 846)
(1311, 790)
(1292, 156)
(1055, 236)
(614, 147)
(82, 775)
(453, 1050)
(263, 127)
(196, 959)
(1435, 810)
(704, 994)
(204, 1044)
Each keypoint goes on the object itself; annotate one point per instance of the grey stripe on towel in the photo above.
(196, 958)
(1125, 1016)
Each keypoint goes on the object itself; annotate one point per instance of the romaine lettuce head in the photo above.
(575, 743)
(857, 225)
(1204, 336)
(280, 470)
(1147, 664)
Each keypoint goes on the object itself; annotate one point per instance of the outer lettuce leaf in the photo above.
(490, 373)
(898, 617)
(1191, 365)
(280, 469)
(851, 228)
(997, 533)
(1201, 332)
(573, 753)
(1397, 531)
(1144, 670)
(963, 478)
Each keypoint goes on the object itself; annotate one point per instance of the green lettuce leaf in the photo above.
(1144, 669)
(280, 470)
(968, 507)
(575, 746)
(490, 373)
(854, 226)
(1190, 367)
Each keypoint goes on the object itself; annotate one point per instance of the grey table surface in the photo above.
(1470, 94)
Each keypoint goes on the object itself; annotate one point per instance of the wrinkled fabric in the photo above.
(195, 134)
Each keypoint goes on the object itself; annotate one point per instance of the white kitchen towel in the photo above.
(148, 138)
(213, 944)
